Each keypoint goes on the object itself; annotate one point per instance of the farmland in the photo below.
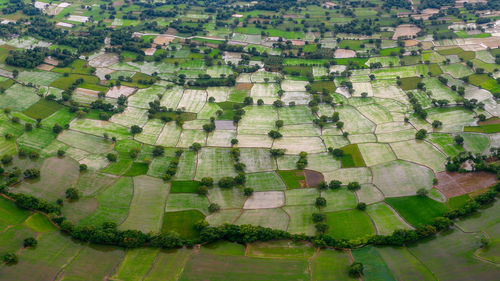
(249, 140)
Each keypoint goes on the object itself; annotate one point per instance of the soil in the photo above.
(313, 178)
(494, 120)
(244, 86)
(344, 53)
(405, 30)
(46, 67)
(453, 184)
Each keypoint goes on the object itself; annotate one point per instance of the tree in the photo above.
(321, 227)
(57, 128)
(83, 167)
(213, 207)
(436, 124)
(421, 134)
(459, 139)
(158, 151)
(279, 123)
(111, 157)
(72, 194)
(195, 147)
(356, 269)
(9, 258)
(323, 185)
(353, 186)
(338, 152)
(318, 217)
(422, 192)
(361, 206)
(135, 130)
(207, 181)
(274, 134)
(30, 242)
(32, 173)
(226, 182)
(248, 191)
(202, 190)
(61, 152)
(320, 202)
(335, 184)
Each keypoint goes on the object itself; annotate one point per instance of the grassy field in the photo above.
(182, 222)
(417, 210)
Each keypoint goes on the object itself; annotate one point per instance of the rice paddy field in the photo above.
(338, 122)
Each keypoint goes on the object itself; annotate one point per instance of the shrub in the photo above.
(213, 207)
(248, 191)
(226, 182)
(30, 242)
(111, 157)
(72, 194)
(135, 129)
(353, 186)
(320, 202)
(361, 206)
(207, 181)
(83, 167)
(202, 190)
(335, 184)
(9, 258)
(356, 269)
(318, 217)
(422, 192)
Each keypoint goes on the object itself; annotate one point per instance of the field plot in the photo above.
(417, 210)
(320, 71)
(257, 160)
(369, 193)
(204, 266)
(281, 249)
(18, 98)
(457, 70)
(376, 153)
(346, 175)
(209, 110)
(169, 136)
(221, 138)
(452, 249)
(215, 163)
(354, 122)
(113, 203)
(192, 100)
(301, 219)
(42, 109)
(273, 218)
(143, 97)
(439, 91)
(35, 139)
(260, 77)
(172, 97)
(147, 206)
(331, 265)
(136, 263)
(476, 143)
(150, 131)
(188, 137)
(257, 120)
(220, 94)
(404, 265)
(338, 200)
(131, 116)
(293, 86)
(89, 143)
(295, 115)
(186, 201)
(399, 178)
(421, 153)
(432, 57)
(182, 222)
(267, 92)
(187, 166)
(349, 224)
(227, 198)
(99, 127)
(362, 87)
(300, 130)
(168, 265)
(265, 200)
(265, 181)
(446, 144)
(322, 162)
(108, 258)
(385, 61)
(42, 78)
(301, 196)
(375, 266)
(453, 184)
(46, 260)
(385, 219)
(223, 216)
(56, 175)
(392, 73)
(294, 145)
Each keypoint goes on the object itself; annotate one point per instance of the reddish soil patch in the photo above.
(46, 67)
(494, 120)
(313, 178)
(453, 184)
(117, 3)
(244, 86)
(171, 31)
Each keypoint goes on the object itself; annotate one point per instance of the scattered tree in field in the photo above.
(318, 217)
(353, 186)
(356, 269)
(436, 124)
(335, 184)
(72, 194)
(422, 192)
(361, 206)
(323, 185)
(321, 227)
(111, 157)
(248, 191)
(421, 134)
(459, 139)
(30, 242)
(57, 128)
(278, 123)
(32, 173)
(202, 190)
(158, 151)
(9, 258)
(207, 181)
(274, 134)
(195, 147)
(213, 207)
(135, 130)
(320, 202)
(83, 167)
(226, 182)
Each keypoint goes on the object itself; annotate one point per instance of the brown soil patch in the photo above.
(46, 67)
(49, 60)
(313, 178)
(163, 39)
(405, 30)
(117, 91)
(493, 120)
(410, 43)
(298, 42)
(244, 86)
(117, 3)
(344, 53)
(171, 31)
(87, 92)
(453, 184)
